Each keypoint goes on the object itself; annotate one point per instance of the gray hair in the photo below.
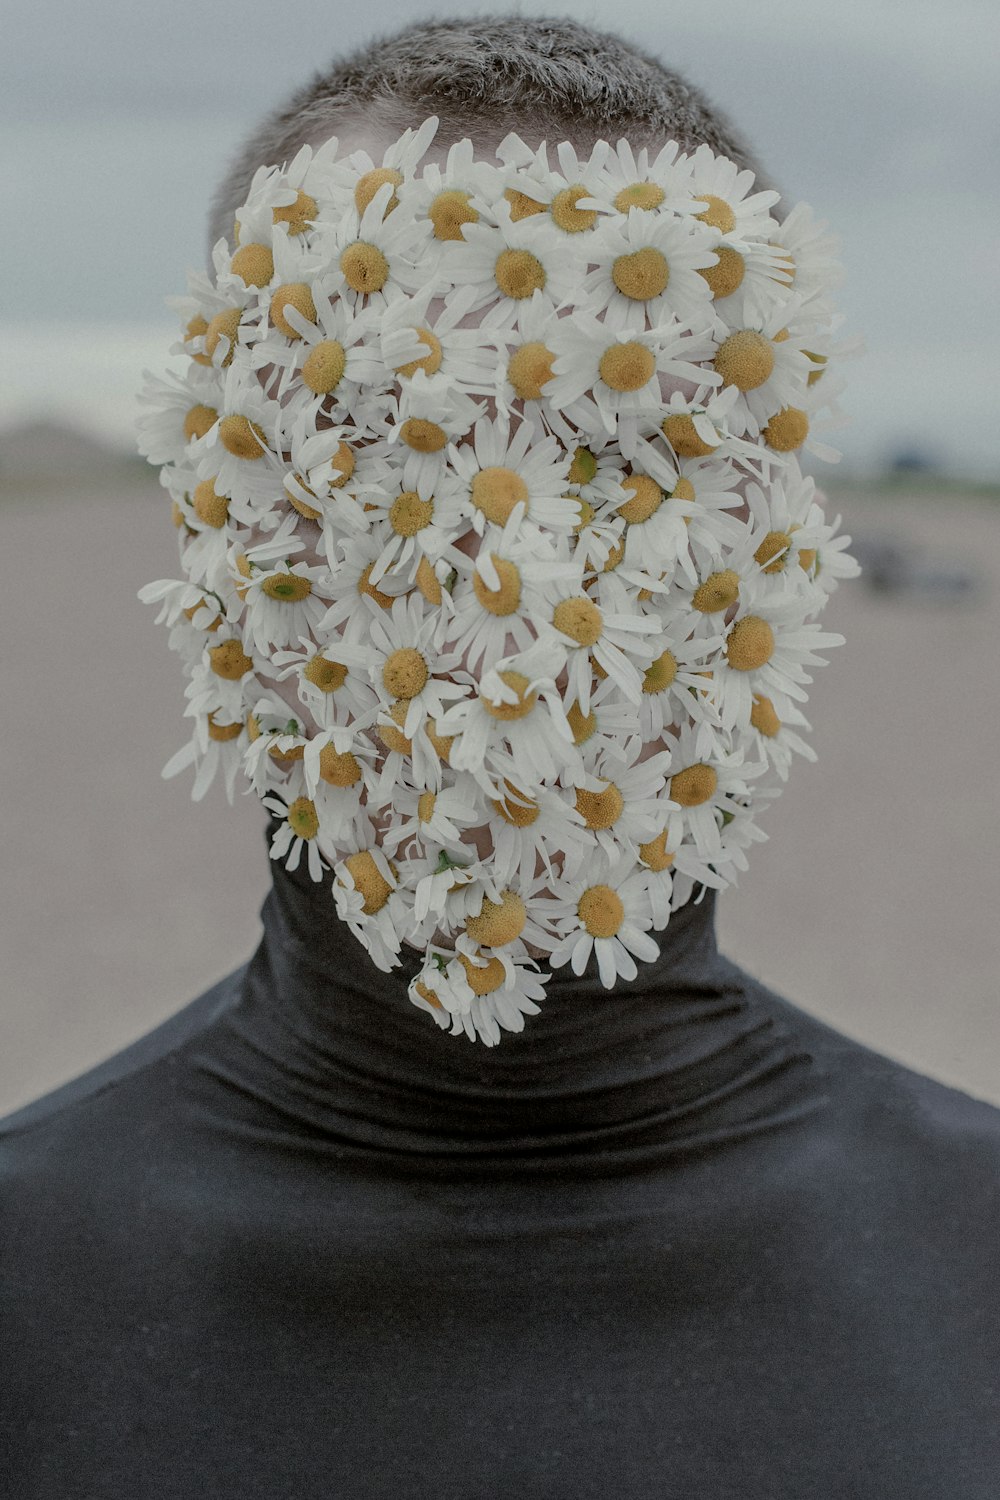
(484, 76)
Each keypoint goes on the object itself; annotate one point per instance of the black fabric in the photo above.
(674, 1240)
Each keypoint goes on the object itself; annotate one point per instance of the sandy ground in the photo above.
(875, 904)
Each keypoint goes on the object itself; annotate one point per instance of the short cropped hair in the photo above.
(484, 76)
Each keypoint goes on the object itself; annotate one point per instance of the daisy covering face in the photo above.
(500, 574)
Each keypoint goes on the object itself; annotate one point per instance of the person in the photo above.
(442, 1193)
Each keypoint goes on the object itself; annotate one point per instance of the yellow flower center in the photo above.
(642, 275)
(627, 367)
(763, 717)
(772, 553)
(324, 366)
(580, 619)
(615, 556)
(517, 808)
(583, 468)
(807, 558)
(425, 806)
(787, 430)
(309, 511)
(519, 273)
(298, 295)
(587, 512)
(726, 276)
(582, 725)
(750, 644)
(423, 436)
(338, 768)
(719, 591)
(442, 742)
(523, 705)
(229, 661)
(497, 925)
(429, 995)
(367, 186)
(654, 855)
(324, 674)
(298, 215)
(483, 980)
(383, 600)
(364, 266)
(565, 212)
(287, 588)
(254, 265)
(194, 330)
(225, 324)
(343, 462)
(601, 911)
(199, 420)
(745, 359)
(427, 582)
(694, 785)
(600, 809)
(505, 599)
(495, 492)
(449, 211)
(818, 360)
(369, 880)
(717, 213)
(683, 490)
(223, 732)
(392, 735)
(660, 673)
(431, 362)
(302, 818)
(209, 505)
(682, 435)
(242, 438)
(405, 673)
(647, 497)
(409, 514)
(203, 604)
(528, 370)
(639, 195)
(521, 206)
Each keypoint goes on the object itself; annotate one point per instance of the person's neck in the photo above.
(692, 1052)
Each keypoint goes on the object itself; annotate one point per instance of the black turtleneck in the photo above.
(674, 1239)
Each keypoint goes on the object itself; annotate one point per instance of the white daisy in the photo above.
(630, 181)
(517, 711)
(331, 681)
(503, 470)
(606, 913)
(297, 827)
(401, 659)
(623, 369)
(767, 650)
(500, 593)
(646, 270)
(513, 258)
(702, 793)
(730, 206)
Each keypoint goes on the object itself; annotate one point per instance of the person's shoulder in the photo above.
(57, 1123)
(898, 1103)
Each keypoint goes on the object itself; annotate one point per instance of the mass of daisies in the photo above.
(500, 573)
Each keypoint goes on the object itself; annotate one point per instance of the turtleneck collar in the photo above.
(691, 1053)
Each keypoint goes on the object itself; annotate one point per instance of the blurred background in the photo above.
(874, 905)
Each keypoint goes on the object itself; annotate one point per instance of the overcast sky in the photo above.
(118, 119)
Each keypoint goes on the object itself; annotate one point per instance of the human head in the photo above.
(545, 78)
(628, 549)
